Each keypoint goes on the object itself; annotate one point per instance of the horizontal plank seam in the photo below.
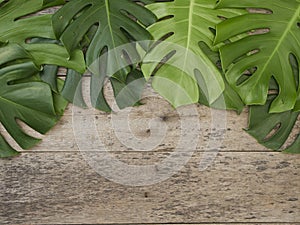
(194, 223)
(130, 151)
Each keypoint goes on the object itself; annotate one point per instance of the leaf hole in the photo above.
(14, 62)
(3, 3)
(295, 67)
(100, 65)
(295, 132)
(243, 78)
(140, 3)
(273, 87)
(272, 132)
(127, 34)
(163, 38)
(9, 139)
(29, 130)
(39, 40)
(222, 17)
(260, 11)
(250, 71)
(49, 10)
(259, 31)
(128, 15)
(163, 61)
(246, 75)
(298, 24)
(165, 18)
(81, 11)
(87, 38)
(36, 14)
(273, 92)
(252, 52)
(25, 17)
(127, 57)
(212, 30)
(213, 56)
(201, 84)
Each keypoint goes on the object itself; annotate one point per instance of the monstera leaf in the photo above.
(272, 130)
(272, 37)
(294, 148)
(126, 93)
(118, 23)
(115, 27)
(229, 99)
(21, 99)
(16, 25)
(183, 25)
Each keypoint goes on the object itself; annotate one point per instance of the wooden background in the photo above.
(245, 184)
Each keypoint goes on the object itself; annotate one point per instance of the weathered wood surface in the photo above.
(51, 188)
(53, 183)
(232, 137)
(63, 138)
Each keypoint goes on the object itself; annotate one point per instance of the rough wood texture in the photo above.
(53, 184)
(51, 188)
(63, 138)
(231, 137)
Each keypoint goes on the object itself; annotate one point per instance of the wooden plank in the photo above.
(63, 137)
(156, 110)
(48, 188)
(230, 134)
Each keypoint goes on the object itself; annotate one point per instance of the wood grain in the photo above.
(53, 184)
(231, 137)
(63, 136)
(52, 188)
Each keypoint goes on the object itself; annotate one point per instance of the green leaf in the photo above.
(17, 26)
(30, 102)
(272, 129)
(5, 149)
(266, 53)
(72, 89)
(118, 22)
(189, 23)
(129, 93)
(56, 55)
(49, 73)
(126, 93)
(59, 101)
(115, 25)
(49, 76)
(229, 99)
(295, 147)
